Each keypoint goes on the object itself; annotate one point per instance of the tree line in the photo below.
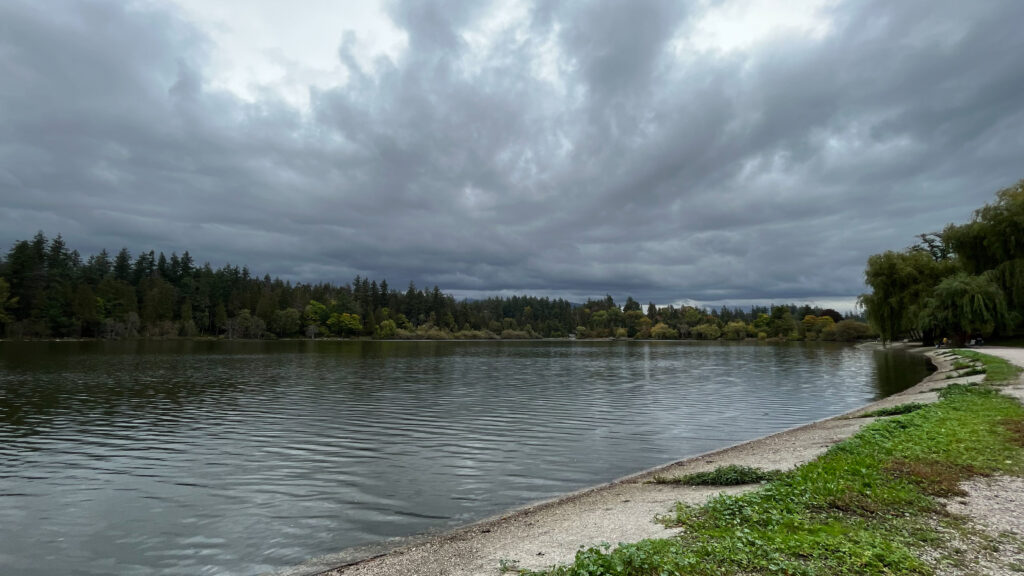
(964, 282)
(48, 290)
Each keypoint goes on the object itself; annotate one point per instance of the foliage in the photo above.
(52, 291)
(731, 475)
(735, 330)
(867, 506)
(849, 331)
(781, 323)
(6, 302)
(900, 282)
(706, 331)
(662, 332)
(286, 322)
(897, 410)
(993, 236)
(997, 370)
(812, 326)
(968, 279)
(475, 335)
(345, 324)
(963, 305)
(387, 329)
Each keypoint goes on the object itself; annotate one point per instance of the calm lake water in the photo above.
(247, 457)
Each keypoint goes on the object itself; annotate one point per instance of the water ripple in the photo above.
(240, 458)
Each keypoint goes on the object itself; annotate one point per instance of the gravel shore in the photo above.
(623, 511)
(993, 509)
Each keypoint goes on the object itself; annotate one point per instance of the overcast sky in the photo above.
(708, 151)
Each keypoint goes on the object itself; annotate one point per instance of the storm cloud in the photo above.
(561, 148)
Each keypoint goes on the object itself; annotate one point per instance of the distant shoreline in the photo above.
(368, 339)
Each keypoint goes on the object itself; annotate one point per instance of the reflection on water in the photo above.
(244, 457)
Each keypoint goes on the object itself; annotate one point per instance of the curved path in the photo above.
(992, 505)
(1014, 356)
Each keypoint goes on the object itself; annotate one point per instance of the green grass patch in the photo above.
(731, 475)
(867, 506)
(972, 372)
(997, 369)
(897, 410)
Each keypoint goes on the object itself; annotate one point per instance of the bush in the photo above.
(475, 335)
(661, 331)
(897, 410)
(429, 332)
(735, 330)
(387, 329)
(425, 332)
(731, 475)
(850, 331)
(707, 331)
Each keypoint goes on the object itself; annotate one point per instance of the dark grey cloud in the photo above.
(589, 151)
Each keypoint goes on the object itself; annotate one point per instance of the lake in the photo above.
(182, 457)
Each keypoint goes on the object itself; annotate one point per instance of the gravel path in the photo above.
(994, 508)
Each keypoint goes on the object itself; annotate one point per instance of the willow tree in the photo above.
(965, 305)
(901, 282)
(992, 243)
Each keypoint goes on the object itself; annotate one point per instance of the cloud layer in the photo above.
(555, 148)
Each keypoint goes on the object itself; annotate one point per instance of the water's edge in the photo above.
(361, 554)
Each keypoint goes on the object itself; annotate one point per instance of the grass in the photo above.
(997, 369)
(897, 410)
(867, 506)
(731, 475)
(972, 372)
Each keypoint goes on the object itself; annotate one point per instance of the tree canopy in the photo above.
(966, 281)
(49, 290)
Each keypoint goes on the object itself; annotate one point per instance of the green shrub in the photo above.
(735, 330)
(997, 369)
(707, 331)
(897, 410)
(661, 331)
(731, 475)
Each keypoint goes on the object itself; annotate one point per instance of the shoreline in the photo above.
(774, 340)
(549, 532)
